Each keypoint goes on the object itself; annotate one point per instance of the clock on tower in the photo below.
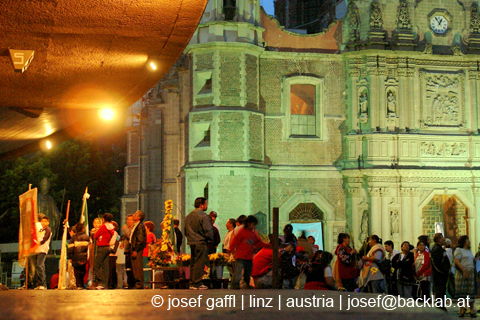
(440, 22)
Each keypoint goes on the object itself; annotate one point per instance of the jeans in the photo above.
(246, 267)
(112, 272)
(40, 274)
(101, 265)
(376, 286)
(404, 290)
(440, 287)
(199, 256)
(121, 276)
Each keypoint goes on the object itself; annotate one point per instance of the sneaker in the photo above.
(100, 288)
(40, 288)
(203, 287)
(193, 288)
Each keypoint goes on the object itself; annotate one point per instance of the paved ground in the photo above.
(224, 304)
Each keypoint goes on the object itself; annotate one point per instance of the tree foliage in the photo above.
(70, 167)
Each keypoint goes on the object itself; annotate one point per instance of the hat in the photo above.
(212, 214)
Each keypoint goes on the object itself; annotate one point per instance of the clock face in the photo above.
(439, 24)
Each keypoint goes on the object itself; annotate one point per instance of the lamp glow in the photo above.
(153, 66)
(107, 114)
(49, 145)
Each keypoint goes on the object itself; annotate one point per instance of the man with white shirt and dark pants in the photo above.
(199, 232)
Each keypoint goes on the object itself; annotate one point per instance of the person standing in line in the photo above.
(451, 276)
(92, 249)
(226, 243)
(244, 245)
(346, 266)
(403, 274)
(440, 268)
(199, 233)
(127, 231)
(212, 247)
(465, 275)
(78, 254)
(138, 241)
(423, 271)
(42, 250)
(112, 258)
(151, 240)
(371, 273)
(103, 236)
(178, 235)
(389, 278)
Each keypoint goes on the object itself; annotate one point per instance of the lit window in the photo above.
(303, 106)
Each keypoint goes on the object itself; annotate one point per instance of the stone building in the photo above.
(369, 127)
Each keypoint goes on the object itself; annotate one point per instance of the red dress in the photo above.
(346, 264)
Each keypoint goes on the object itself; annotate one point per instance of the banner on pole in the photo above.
(27, 235)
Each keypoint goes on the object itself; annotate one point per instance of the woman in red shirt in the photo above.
(423, 271)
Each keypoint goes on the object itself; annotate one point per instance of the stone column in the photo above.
(376, 211)
(406, 216)
(385, 196)
(475, 225)
(353, 198)
(416, 213)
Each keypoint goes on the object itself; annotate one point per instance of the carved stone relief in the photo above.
(475, 19)
(394, 222)
(434, 149)
(376, 17)
(353, 20)
(442, 104)
(403, 16)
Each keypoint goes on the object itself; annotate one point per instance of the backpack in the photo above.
(385, 267)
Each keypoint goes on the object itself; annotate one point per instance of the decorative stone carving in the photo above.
(403, 16)
(364, 226)
(363, 104)
(442, 104)
(394, 222)
(431, 149)
(353, 21)
(391, 102)
(457, 50)
(455, 149)
(376, 17)
(375, 192)
(428, 48)
(475, 19)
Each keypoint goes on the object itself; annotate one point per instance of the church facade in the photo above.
(371, 127)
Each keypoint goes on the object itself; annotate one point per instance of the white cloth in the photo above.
(226, 240)
(327, 272)
(393, 254)
(112, 243)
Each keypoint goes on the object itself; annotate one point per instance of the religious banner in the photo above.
(27, 235)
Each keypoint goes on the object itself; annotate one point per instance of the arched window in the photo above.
(306, 212)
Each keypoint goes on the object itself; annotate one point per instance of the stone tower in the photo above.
(225, 137)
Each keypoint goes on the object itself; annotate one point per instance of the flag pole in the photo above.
(27, 259)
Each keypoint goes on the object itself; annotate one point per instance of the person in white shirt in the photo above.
(391, 281)
(226, 241)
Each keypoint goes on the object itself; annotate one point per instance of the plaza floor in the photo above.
(207, 304)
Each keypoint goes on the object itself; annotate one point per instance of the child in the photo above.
(78, 254)
(97, 222)
(244, 245)
(289, 266)
(112, 258)
(103, 236)
(42, 250)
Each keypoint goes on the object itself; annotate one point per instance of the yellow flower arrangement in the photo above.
(183, 260)
(218, 259)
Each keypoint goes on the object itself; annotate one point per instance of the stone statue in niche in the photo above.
(363, 103)
(391, 103)
(394, 222)
(364, 226)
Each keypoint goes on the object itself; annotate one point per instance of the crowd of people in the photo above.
(105, 259)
